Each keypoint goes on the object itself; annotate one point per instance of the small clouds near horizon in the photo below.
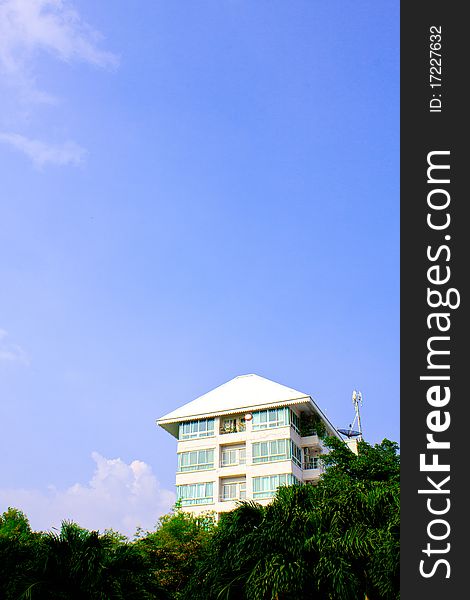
(11, 352)
(42, 153)
(119, 496)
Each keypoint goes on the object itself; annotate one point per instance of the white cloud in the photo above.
(10, 352)
(120, 496)
(29, 27)
(42, 153)
(30, 30)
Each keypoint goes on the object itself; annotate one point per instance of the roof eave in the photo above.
(235, 410)
(171, 424)
(171, 427)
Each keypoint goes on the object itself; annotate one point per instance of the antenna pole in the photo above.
(351, 432)
(357, 400)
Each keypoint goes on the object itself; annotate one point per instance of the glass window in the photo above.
(233, 457)
(294, 421)
(196, 460)
(228, 458)
(265, 487)
(196, 429)
(229, 491)
(273, 417)
(234, 490)
(272, 450)
(296, 454)
(196, 493)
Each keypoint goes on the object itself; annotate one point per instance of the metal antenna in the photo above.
(357, 401)
(351, 432)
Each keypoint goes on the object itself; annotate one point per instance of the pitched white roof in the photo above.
(237, 395)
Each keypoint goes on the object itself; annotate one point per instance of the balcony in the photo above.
(232, 425)
(311, 462)
(310, 440)
(311, 425)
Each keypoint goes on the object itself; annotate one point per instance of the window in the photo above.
(294, 421)
(296, 453)
(234, 490)
(233, 456)
(272, 450)
(195, 493)
(196, 460)
(273, 417)
(196, 429)
(265, 487)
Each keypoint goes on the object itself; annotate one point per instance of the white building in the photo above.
(243, 440)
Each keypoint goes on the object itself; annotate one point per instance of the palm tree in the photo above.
(75, 563)
(335, 541)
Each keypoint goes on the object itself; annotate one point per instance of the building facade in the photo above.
(243, 440)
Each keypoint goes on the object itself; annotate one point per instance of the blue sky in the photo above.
(190, 190)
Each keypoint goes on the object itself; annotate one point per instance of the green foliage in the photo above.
(312, 425)
(14, 524)
(337, 540)
(372, 463)
(175, 547)
(74, 563)
(18, 550)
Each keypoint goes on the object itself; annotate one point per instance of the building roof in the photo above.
(236, 396)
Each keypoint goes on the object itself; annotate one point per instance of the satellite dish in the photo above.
(349, 432)
(248, 417)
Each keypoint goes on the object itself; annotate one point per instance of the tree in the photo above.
(337, 540)
(175, 547)
(363, 490)
(73, 563)
(380, 462)
(14, 524)
(17, 552)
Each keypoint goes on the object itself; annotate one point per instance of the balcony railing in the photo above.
(312, 463)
